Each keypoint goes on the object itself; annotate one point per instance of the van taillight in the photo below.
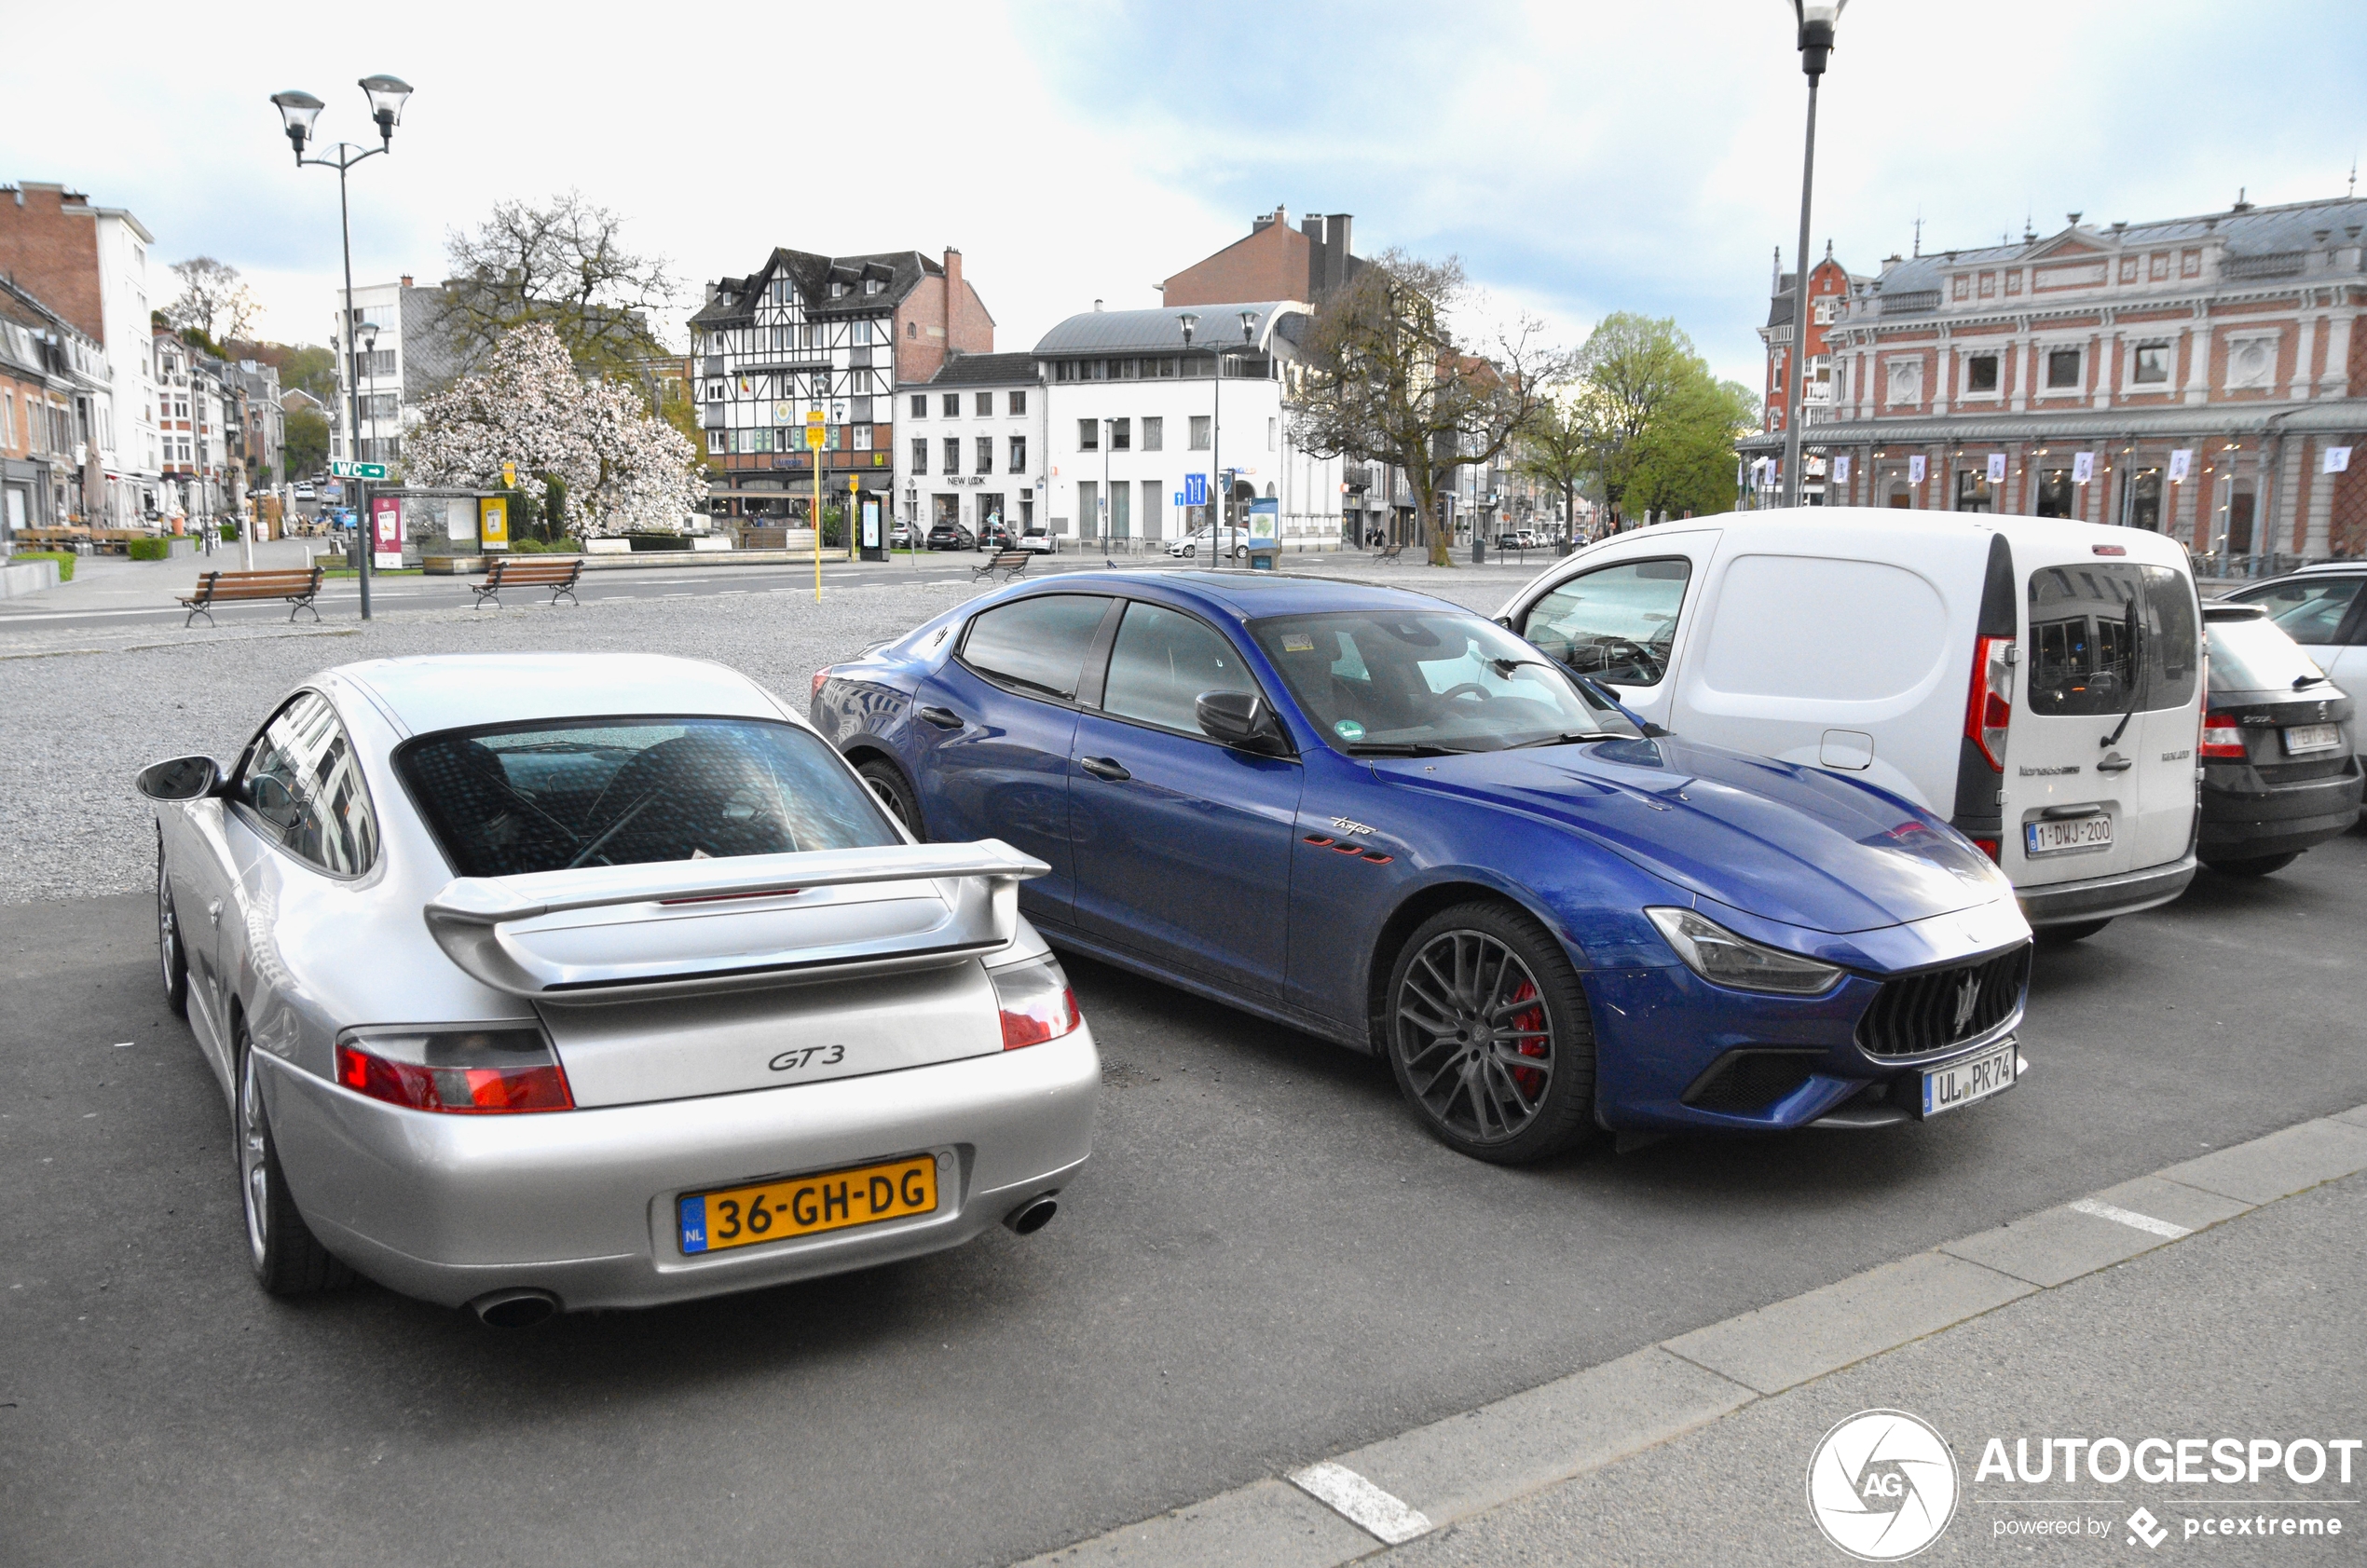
(1987, 847)
(1988, 708)
(2222, 738)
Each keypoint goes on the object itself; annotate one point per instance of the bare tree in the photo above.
(561, 264)
(213, 300)
(1390, 382)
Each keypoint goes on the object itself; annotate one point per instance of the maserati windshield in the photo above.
(1427, 682)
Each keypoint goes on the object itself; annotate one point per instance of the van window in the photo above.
(2111, 637)
(1778, 629)
(1615, 624)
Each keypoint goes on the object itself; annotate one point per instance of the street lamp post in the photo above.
(1816, 18)
(297, 111)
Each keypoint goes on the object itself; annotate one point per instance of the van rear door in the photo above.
(2100, 772)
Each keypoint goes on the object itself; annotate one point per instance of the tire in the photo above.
(889, 785)
(2258, 866)
(286, 1258)
(1459, 965)
(2069, 932)
(1241, 552)
(170, 957)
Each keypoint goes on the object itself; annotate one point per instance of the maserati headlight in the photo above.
(1720, 957)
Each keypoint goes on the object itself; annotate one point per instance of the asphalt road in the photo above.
(1266, 1263)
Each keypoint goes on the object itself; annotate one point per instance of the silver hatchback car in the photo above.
(561, 981)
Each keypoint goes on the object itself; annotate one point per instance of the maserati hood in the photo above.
(1784, 843)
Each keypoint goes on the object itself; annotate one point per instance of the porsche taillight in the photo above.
(468, 1072)
(1988, 706)
(2221, 740)
(1035, 1003)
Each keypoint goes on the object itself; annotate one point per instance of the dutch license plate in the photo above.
(1959, 1084)
(804, 1206)
(2072, 833)
(2312, 737)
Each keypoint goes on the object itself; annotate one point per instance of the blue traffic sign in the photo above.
(1196, 489)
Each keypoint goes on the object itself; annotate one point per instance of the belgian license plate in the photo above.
(2312, 737)
(2069, 833)
(1959, 1084)
(804, 1206)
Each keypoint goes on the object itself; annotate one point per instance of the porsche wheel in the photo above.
(174, 961)
(1489, 1035)
(287, 1259)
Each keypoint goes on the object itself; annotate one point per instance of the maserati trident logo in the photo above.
(1968, 998)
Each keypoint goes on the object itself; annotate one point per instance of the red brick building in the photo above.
(2199, 377)
(1828, 289)
(1274, 261)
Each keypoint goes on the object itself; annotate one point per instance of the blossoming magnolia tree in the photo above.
(527, 406)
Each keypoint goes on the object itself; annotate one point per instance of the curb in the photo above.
(1401, 1488)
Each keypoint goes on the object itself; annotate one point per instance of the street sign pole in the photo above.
(813, 453)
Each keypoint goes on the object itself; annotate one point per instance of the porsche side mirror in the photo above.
(1238, 719)
(183, 778)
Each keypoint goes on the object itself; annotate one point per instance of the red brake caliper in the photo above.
(1528, 1078)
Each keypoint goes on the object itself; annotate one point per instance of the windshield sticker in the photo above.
(1298, 642)
(1348, 729)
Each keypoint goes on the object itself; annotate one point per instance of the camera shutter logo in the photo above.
(1882, 1485)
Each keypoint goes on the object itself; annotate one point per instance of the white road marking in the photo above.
(123, 1044)
(1361, 1503)
(2130, 1217)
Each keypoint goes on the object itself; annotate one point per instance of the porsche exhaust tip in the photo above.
(1032, 1215)
(514, 1309)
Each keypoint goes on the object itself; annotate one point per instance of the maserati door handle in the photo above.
(944, 719)
(214, 912)
(1105, 768)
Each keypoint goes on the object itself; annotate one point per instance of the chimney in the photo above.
(952, 290)
(406, 279)
(1330, 254)
(1097, 305)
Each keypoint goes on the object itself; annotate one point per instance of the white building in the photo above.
(973, 447)
(126, 436)
(1130, 411)
(409, 359)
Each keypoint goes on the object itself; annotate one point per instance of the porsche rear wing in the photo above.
(620, 932)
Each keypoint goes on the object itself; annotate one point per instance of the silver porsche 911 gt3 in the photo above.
(565, 981)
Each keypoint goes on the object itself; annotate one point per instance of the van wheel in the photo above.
(1489, 1036)
(2069, 932)
(2258, 865)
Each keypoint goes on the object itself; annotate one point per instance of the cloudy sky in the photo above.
(1580, 158)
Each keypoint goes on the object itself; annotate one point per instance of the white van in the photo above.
(2035, 682)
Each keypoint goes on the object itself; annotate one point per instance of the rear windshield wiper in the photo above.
(2300, 681)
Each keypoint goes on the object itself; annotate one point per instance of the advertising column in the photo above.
(386, 532)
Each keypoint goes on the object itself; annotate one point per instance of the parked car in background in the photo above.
(1381, 818)
(2324, 609)
(1036, 539)
(1199, 542)
(657, 1002)
(903, 536)
(951, 535)
(2035, 683)
(997, 536)
(305, 492)
(2281, 771)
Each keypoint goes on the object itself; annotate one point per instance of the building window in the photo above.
(1016, 403)
(920, 405)
(719, 442)
(986, 455)
(1019, 453)
(912, 329)
(838, 289)
(863, 438)
(1200, 432)
(1824, 311)
(1088, 435)
(2151, 365)
(1981, 372)
(784, 339)
(874, 286)
(950, 405)
(1154, 434)
(920, 454)
(953, 453)
(1121, 435)
(2062, 369)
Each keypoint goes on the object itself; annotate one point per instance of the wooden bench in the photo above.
(760, 538)
(1389, 553)
(1012, 564)
(298, 588)
(559, 574)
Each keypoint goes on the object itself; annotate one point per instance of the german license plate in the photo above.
(2312, 737)
(1959, 1084)
(2071, 833)
(804, 1206)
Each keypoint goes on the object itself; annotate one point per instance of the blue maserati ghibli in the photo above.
(1380, 818)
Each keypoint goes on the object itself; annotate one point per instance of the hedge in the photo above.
(149, 549)
(64, 561)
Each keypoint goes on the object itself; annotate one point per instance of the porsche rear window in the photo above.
(515, 798)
